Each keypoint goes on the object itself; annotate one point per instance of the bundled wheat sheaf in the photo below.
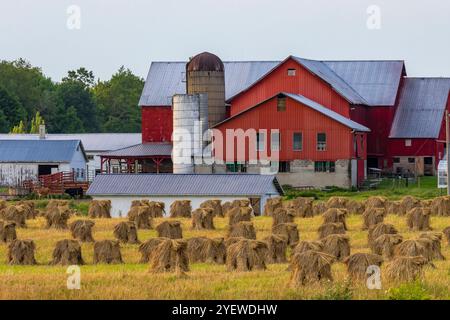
(202, 249)
(302, 206)
(358, 264)
(408, 203)
(170, 255)
(376, 202)
(227, 206)
(393, 208)
(239, 214)
(57, 217)
(335, 215)
(441, 206)
(413, 248)
(203, 219)
(319, 207)
(247, 255)
(100, 209)
(215, 205)
(244, 229)
(30, 210)
(373, 216)
(271, 205)
(181, 209)
(418, 219)
(289, 231)
(282, 215)
(7, 231)
(435, 238)
(107, 251)
(276, 249)
(379, 229)
(384, 245)
(405, 268)
(21, 252)
(141, 216)
(16, 214)
(337, 245)
(154, 208)
(170, 229)
(446, 233)
(147, 248)
(311, 266)
(330, 228)
(82, 230)
(355, 207)
(126, 232)
(67, 252)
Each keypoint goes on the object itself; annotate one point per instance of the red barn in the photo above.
(366, 113)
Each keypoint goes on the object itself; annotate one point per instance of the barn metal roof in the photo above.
(321, 70)
(42, 151)
(376, 81)
(328, 112)
(91, 141)
(421, 108)
(166, 79)
(361, 82)
(313, 105)
(185, 185)
(142, 150)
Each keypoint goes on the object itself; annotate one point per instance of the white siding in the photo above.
(13, 174)
(120, 205)
(78, 164)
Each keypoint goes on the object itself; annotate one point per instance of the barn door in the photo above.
(256, 205)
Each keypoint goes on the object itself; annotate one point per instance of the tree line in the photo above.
(76, 104)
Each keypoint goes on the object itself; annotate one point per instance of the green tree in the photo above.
(11, 109)
(20, 128)
(36, 122)
(4, 123)
(70, 122)
(75, 94)
(81, 75)
(117, 101)
(27, 83)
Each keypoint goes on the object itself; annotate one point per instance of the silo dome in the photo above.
(205, 62)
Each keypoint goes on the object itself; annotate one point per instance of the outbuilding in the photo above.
(23, 160)
(122, 189)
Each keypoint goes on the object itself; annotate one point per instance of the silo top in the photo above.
(205, 62)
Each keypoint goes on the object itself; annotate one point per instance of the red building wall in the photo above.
(296, 118)
(304, 83)
(157, 124)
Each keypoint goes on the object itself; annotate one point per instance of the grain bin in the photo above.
(190, 121)
(205, 74)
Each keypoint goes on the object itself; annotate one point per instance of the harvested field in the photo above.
(132, 279)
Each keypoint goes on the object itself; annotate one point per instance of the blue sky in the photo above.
(135, 32)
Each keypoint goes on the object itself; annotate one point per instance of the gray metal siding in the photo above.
(143, 149)
(421, 108)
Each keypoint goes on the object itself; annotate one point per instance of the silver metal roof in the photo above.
(43, 151)
(166, 79)
(321, 70)
(360, 82)
(313, 105)
(91, 141)
(421, 108)
(142, 150)
(185, 185)
(376, 81)
(328, 112)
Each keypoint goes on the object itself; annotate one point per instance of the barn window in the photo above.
(428, 160)
(408, 143)
(281, 104)
(298, 141)
(396, 160)
(284, 166)
(321, 141)
(275, 142)
(412, 160)
(324, 166)
(236, 166)
(291, 72)
(260, 141)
